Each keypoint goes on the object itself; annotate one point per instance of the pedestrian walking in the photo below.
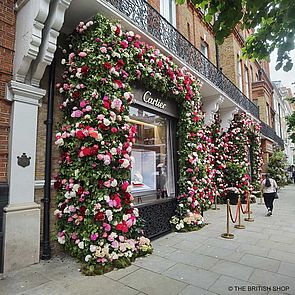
(269, 188)
(293, 176)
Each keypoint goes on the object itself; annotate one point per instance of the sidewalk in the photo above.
(196, 263)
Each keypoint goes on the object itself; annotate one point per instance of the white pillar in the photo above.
(22, 214)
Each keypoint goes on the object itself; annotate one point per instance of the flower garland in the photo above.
(96, 218)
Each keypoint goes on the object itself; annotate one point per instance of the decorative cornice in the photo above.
(48, 47)
(211, 106)
(31, 16)
(227, 115)
(24, 93)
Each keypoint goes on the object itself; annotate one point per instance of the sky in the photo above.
(286, 77)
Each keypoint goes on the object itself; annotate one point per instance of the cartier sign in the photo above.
(147, 98)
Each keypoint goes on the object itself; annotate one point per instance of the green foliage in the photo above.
(276, 167)
(272, 22)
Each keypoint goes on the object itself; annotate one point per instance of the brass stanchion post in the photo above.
(249, 218)
(215, 204)
(227, 235)
(261, 203)
(239, 226)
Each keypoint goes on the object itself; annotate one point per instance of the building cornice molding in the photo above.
(30, 20)
(24, 93)
(49, 43)
(211, 106)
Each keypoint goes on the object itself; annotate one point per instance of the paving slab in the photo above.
(220, 253)
(233, 269)
(194, 259)
(118, 274)
(154, 263)
(192, 275)
(274, 280)
(192, 290)
(228, 285)
(287, 268)
(281, 255)
(260, 262)
(149, 282)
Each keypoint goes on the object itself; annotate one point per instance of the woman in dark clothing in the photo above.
(269, 188)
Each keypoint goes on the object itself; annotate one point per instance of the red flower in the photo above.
(80, 135)
(99, 216)
(94, 149)
(120, 63)
(124, 185)
(127, 198)
(107, 65)
(76, 94)
(84, 69)
(122, 227)
(119, 83)
(82, 210)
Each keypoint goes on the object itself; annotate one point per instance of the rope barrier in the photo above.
(227, 235)
(249, 218)
(237, 211)
(239, 225)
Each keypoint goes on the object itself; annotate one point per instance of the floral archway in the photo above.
(237, 155)
(96, 218)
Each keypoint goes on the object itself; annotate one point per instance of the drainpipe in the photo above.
(217, 56)
(46, 252)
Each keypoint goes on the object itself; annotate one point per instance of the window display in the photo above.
(152, 175)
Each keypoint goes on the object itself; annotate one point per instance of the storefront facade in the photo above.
(155, 173)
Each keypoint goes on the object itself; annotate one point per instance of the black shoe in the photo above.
(269, 213)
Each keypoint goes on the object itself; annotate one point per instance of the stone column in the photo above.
(22, 214)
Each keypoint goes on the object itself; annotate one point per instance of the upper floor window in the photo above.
(239, 73)
(247, 84)
(168, 11)
(205, 48)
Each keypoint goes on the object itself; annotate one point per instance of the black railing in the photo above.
(269, 132)
(147, 18)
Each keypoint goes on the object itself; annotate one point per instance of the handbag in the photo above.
(276, 196)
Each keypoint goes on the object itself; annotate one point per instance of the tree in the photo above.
(291, 122)
(272, 22)
(276, 167)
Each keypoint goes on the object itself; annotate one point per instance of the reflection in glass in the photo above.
(152, 173)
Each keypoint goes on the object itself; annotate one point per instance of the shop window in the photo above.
(152, 174)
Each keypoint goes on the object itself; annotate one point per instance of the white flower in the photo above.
(114, 183)
(113, 151)
(76, 187)
(106, 122)
(92, 248)
(87, 258)
(59, 142)
(81, 245)
(61, 240)
(109, 215)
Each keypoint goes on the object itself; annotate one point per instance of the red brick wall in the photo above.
(7, 35)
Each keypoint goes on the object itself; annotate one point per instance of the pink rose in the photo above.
(82, 54)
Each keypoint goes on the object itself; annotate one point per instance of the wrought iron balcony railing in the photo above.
(269, 132)
(147, 18)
